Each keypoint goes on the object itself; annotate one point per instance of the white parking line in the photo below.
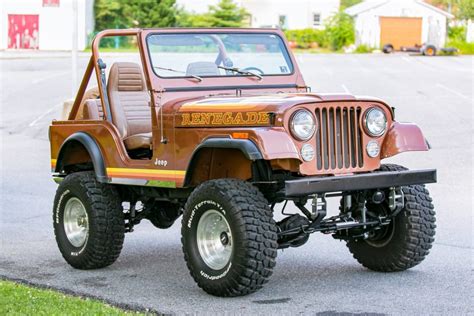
(408, 60)
(51, 76)
(345, 89)
(459, 94)
(39, 118)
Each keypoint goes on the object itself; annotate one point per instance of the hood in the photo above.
(248, 110)
(271, 103)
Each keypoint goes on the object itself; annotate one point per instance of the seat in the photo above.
(92, 110)
(129, 103)
(202, 68)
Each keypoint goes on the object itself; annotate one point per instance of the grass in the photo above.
(17, 299)
(464, 47)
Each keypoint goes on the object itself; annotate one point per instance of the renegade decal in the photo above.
(226, 118)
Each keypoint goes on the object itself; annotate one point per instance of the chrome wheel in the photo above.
(76, 222)
(214, 239)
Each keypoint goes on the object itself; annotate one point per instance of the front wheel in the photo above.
(229, 237)
(407, 240)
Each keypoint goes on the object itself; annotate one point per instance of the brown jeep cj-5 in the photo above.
(217, 125)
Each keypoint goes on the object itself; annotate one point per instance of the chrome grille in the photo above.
(339, 139)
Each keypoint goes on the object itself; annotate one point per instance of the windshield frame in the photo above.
(283, 45)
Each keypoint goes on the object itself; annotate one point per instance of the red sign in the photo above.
(50, 3)
(23, 31)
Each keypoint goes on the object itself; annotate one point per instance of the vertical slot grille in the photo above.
(339, 138)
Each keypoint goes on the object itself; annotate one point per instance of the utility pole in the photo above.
(75, 33)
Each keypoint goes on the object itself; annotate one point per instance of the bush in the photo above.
(307, 38)
(340, 30)
(464, 47)
(457, 33)
(363, 49)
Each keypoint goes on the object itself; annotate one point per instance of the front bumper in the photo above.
(374, 180)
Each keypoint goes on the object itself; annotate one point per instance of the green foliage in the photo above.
(457, 33)
(18, 299)
(464, 47)
(349, 3)
(307, 38)
(110, 14)
(462, 9)
(225, 14)
(465, 9)
(363, 49)
(340, 31)
(149, 13)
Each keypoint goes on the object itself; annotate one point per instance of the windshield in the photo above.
(201, 55)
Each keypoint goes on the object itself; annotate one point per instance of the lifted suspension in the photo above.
(343, 226)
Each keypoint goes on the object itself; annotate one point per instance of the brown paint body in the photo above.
(261, 114)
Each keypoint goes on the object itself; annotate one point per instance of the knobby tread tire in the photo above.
(106, 221)
(253, 263)
(413, 236)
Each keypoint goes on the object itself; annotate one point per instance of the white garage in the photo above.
(402, 23)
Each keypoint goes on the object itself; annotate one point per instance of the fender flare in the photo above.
(403, 137)
(92, 148)
(246, 146)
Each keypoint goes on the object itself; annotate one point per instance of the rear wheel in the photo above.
(429, 50)
(229, 237)
(407, 240)
(88, 221)
(388, 49)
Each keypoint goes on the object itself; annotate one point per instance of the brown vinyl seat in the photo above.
(92, 110)
(129, 102)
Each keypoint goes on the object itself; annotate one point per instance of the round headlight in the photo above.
(302, 125)
(375, 122)
(307, 152)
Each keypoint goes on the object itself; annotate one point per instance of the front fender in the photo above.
(403, 137)
(276, 144)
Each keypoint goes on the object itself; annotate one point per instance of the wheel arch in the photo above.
(76, 149)
(246, 147)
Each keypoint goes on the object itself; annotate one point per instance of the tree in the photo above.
(462, 9)
(349, 3)
(225, 14)
(150, 13)
(108, 14)
(465, 10)
(340, 30)
(134, 13)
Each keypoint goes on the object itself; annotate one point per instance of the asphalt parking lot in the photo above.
(320, 277)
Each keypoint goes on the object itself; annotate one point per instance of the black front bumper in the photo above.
(365, 181)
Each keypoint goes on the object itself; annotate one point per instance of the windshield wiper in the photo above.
(243, 72)
(181, 72)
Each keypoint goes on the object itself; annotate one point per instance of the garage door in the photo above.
(400, 31)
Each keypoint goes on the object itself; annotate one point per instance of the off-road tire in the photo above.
(105, 217)
(254, 235)
(413, 235)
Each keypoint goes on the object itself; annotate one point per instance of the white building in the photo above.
(288, 14)
(399, 22)
(470, 32)
(44, 24)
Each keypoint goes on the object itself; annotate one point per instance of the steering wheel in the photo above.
(253, 69)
